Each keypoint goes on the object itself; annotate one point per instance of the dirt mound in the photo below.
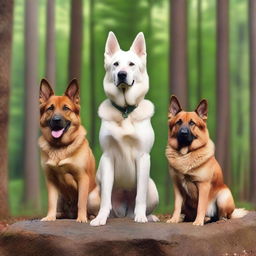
(125, 237)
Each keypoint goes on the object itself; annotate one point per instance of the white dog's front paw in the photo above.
(152, 218)
(141, 218)
(99, 221)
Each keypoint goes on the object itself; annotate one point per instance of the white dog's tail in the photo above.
(239, 213)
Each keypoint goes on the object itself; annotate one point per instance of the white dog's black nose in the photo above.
(122, 75)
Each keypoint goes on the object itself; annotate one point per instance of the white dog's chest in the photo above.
(125, 141)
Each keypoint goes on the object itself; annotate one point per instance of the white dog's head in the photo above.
(126, 79)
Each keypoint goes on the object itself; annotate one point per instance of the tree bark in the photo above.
(76, 40)
(252, 41)
(92, 73)
(50, 43)
(32, 184)
(178, 62)
(6, 18)
(199, 50)
(222, 69)
(178, 53)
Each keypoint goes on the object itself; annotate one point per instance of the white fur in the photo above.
(211, 209)
(239, 213)
(126, 143)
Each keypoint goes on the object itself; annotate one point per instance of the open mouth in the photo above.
(124, 85)
(58, 132)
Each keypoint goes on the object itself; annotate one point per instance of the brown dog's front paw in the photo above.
(173, 219)
(199, 222)
(82, 219)
(49, 218)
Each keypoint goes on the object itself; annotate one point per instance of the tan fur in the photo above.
(197, 176)
(69, 164)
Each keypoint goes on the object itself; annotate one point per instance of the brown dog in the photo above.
(200, 192)
(66, 157)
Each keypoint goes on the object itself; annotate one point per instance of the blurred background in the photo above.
(196, 49)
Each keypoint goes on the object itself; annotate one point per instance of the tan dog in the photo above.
(66, 157)
(198, 181)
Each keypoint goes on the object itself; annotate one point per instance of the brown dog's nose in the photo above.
(56, 118)
(184, 131)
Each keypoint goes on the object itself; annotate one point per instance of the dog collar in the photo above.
(124, 110)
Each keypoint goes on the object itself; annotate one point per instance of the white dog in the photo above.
(126, 136)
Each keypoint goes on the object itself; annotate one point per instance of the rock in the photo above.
(125, 237)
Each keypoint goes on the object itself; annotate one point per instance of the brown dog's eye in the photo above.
(50, 108)
(191, 123)
(131, 64)
(65, 108)
(179, 122)
(116, 64)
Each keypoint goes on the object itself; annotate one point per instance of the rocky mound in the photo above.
(125, 237)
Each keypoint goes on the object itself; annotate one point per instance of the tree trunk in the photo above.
(50, 65)
(178, 62)
(92, 77)
(6, 17)
(239, 180)
(222, 69)
(199, 49)
(252, 33)
(76, 40)
(178, 53)
(32, 184)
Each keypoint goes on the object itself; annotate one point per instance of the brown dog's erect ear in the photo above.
(73, 91)
(46, 91)
(202, 109)
(112, 45)
(174, 107)
(139, 45)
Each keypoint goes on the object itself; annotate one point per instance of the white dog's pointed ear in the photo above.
(112, 45)
(139, 45)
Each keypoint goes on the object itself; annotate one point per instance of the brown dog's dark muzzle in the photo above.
(185, 137)
(57, 122)
(58, 126)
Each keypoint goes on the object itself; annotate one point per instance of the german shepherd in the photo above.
(66, 156)
(200, 193)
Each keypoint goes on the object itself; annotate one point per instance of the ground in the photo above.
(125, 237)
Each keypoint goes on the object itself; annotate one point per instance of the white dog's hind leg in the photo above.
(106, 179)
(152, 201)
(93, 203)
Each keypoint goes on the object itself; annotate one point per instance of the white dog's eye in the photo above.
(131, 64)
(116, 64)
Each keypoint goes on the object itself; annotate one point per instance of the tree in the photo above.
(32, 184)
(222, 73)
(252, 41)
(178, 53)
(92, 78)
(50, 42)
(199, 49)
(76, 40)
(6, 17)
(178, 61)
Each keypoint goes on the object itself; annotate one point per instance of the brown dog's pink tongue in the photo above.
(57, 134)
